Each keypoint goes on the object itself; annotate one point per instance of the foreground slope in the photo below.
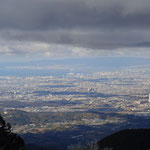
(9, 140)
(129, 139)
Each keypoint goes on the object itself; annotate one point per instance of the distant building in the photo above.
(91, 90)
(149, 98)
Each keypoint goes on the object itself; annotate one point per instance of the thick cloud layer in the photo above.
(90, 24)
(54, 14)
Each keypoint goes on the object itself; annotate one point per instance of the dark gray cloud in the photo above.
(97, 24)
(54, 14)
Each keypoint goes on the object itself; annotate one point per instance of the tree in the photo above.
(9, 140)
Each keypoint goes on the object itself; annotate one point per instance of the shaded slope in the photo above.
(130, 139)
(9, 140)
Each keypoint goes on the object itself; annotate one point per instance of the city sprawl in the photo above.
(45, 103)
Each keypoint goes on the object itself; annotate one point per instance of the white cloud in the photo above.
(41, 49)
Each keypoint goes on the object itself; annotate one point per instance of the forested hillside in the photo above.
(9, 140)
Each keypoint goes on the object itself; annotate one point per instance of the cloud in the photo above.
(54, 14)
(30, 27)
(46, 50)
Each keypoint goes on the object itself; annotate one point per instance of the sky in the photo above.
(48, 29)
